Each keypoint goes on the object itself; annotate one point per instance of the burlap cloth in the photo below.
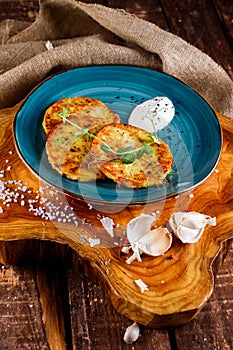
(90, 34)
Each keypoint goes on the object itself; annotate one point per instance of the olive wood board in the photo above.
(180, 282)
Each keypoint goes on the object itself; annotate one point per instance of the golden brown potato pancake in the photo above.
(79, 163)
(67, 106)
(69, 142)
(130, 157)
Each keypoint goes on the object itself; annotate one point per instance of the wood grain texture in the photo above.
(22, 323)
(178, 288)
(22, 327)
(92, 311)
(212, 328)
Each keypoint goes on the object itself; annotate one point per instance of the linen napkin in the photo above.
(68, 34)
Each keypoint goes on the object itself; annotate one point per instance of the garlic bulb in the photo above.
(132, 333)
(189, 227)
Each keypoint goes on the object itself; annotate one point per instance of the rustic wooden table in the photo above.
(45, 300)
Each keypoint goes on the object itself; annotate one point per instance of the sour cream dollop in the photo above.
(153, 115)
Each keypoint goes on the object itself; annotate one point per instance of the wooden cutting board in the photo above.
(180, 282)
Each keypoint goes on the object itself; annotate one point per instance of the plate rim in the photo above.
(79, 197)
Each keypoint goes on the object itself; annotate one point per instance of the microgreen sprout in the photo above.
(128, 155)
(152, 116)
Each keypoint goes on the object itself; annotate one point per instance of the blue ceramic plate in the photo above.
(194, 135)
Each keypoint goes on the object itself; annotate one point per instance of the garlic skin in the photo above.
(141, 285)
(189, 227)
(93, 241)
(138, 226)
(132, 333)
(108, 225)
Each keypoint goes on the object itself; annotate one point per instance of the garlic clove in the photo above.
(175, 220)
(155, 242)
(188, 234)
(189, 227)
(132, 333)
(138, 226)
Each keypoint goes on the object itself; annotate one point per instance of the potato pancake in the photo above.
(68, 144)
(79, 163)
(130, 157)
(67, 106)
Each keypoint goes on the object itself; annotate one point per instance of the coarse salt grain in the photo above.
(48, 45)
(14, 191)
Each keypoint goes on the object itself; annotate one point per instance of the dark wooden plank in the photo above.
(150, 10)
(95, 323)
(34, 299)
(200, 25)
(25, 10)
(52, 287)
(20, 316)
(225, 13)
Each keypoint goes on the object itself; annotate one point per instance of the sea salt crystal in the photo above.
(15, 191)
(48, 45)
(1, 210)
